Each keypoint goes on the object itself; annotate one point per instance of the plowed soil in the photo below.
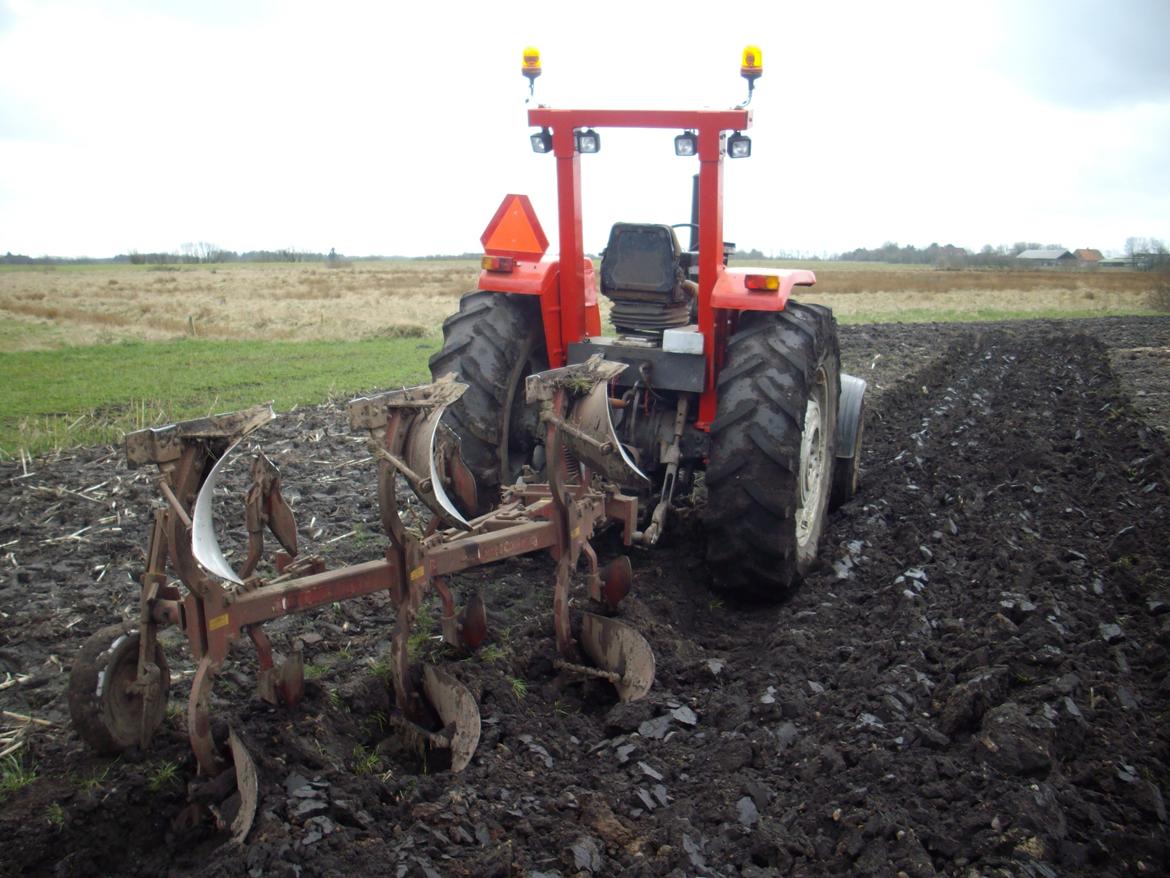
(975, 682)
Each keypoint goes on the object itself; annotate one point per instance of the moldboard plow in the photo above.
(119, 684)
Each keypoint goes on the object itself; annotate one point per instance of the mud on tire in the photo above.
(761, 535)
(493, 343)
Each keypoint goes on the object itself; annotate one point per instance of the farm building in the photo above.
(1117, 262)
(1137, 261)
(1047, 257)
(1088, 257)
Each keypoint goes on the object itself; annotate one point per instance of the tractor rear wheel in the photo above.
(492, 344)
(773, 442)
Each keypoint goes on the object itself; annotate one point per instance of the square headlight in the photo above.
(739, 146)
(686, 144)
(588, 141)
(541, 141)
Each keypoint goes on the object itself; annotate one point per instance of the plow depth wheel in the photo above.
(773, 445)
(105, 706)
(850, 431)
(493, 343)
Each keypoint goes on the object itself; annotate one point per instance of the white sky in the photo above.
(386, 128)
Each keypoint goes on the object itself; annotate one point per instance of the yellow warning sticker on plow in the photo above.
(217, 622)
(417, 573)
(576, 532)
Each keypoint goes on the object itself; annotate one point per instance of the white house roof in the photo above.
(1044, 254)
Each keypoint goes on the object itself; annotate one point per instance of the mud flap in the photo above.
(620, 650)
(457, 711)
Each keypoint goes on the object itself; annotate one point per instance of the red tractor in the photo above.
(712, 370)
(726, 374)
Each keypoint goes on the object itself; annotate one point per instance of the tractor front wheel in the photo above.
(773, 445)
(493, 344)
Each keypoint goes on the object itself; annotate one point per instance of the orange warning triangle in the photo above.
(514, 230)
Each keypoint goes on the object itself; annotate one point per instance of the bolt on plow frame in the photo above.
(119, 683)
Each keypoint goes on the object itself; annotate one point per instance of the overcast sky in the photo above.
(385, 128)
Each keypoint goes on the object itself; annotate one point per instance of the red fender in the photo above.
(731, 292)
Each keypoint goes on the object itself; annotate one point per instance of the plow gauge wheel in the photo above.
(104, 703)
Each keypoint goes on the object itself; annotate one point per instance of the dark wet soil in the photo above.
(974, 683)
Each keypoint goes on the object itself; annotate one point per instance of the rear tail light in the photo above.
(762, 283)
(498, 263)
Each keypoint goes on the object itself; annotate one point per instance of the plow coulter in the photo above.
(119, 685)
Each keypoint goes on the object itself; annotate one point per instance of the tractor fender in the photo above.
(541, 278)
(850, 408)
(731, 292)
(526, 278)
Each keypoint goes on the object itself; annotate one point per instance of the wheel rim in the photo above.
(124, 705)
(814, 458)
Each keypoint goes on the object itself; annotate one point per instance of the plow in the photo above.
(536, 433)
(120, 681)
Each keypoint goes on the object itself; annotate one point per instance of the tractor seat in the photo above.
(642, 275)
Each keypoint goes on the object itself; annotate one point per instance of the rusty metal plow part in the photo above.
(621, 655)
(162, 445)
(219, 604)
(587, 429)
(406, 434)
(246, 784)
(264, 506)
(575, 406)
(458, 714)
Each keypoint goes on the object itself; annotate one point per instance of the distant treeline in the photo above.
(946, 255)
(202, 256)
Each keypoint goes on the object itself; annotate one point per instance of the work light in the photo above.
(587, 140)
(739, 146)
(686, 144)
(541, 141)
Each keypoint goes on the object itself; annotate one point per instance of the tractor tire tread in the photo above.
(752, 476)
(483, 344)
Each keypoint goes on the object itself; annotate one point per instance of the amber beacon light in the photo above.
(751, 67)
(530, 67)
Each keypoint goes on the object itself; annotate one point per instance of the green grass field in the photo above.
(89, 395)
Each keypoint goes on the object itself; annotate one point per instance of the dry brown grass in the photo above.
(831, 279)
(294, 302)
(52, 307)
(861, 292)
